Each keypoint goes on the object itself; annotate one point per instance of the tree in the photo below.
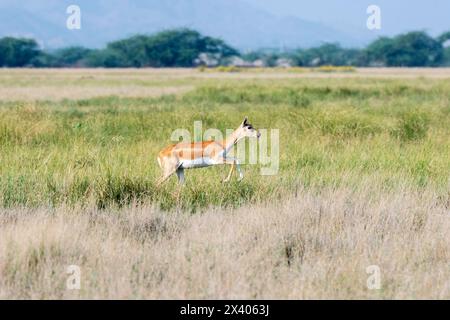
(268, 57)
(171, 48)
(181, 47)
(187, 48)
(107, 58)
(131, 52)
(71, 56)
(44, 60)
(326, 54)
(446, 59)
(444, 37)
(16, 52)
(413, 49)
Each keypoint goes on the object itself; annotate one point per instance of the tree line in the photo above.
(189, 48)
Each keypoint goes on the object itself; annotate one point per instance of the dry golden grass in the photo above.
(312, 245)
(58, 84)
(52, 93)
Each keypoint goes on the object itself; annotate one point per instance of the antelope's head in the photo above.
(247, 130)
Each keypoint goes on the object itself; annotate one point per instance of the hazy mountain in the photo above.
(237, 22)
(398, 16)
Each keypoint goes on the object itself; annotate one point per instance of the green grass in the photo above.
(333, 132)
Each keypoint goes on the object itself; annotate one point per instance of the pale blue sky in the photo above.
(397, 15)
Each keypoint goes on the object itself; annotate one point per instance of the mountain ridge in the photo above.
(238, 23)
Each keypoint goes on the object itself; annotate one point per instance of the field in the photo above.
(363, 180)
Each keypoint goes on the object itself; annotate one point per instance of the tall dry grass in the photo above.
(315, 244)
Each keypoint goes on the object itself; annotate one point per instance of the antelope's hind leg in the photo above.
(180, 175)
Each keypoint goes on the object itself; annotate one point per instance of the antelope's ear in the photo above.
(245, 122)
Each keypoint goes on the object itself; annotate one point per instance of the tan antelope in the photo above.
(186, 155)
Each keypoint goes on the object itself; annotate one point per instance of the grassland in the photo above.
(364, 180)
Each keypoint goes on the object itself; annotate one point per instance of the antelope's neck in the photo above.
(230, 141)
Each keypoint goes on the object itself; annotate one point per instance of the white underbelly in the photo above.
(197, 163)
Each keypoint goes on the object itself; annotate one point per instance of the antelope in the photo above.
(185, 155)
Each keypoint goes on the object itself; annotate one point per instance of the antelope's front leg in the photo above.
(234, 164)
